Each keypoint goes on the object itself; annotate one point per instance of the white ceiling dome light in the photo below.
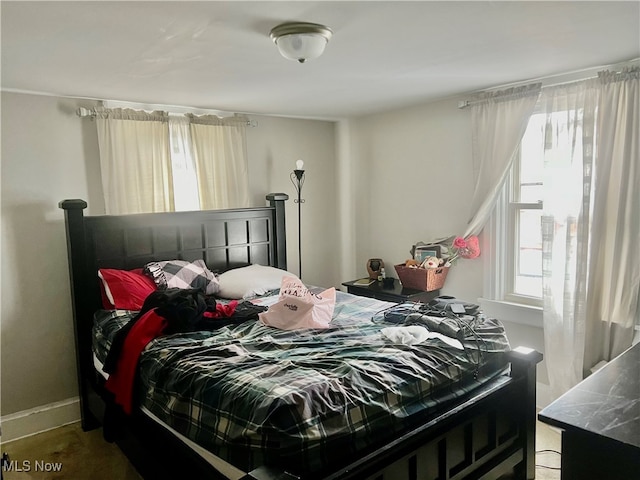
(301, 41)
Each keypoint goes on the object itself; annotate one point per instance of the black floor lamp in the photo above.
(297, 178)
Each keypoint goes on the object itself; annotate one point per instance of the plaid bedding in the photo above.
(183, 274)
(305, 399)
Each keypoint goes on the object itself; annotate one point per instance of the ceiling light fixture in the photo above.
(301, 41)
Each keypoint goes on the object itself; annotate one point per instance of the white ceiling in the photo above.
(383, 54)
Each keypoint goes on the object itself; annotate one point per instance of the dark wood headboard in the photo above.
(225, 239)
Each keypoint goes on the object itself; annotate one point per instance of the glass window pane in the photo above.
(185, 182)
(528, 275)
(532, 161)
(564, 176)
(531, 193)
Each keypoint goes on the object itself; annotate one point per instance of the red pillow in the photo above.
(124, 289)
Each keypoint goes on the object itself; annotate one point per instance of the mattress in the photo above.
(254, 395)
(226, 469)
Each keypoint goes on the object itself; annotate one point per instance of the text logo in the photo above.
(29, 466)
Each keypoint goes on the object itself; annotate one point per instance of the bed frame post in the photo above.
(277, 200)
(523, 365)
(80, 301)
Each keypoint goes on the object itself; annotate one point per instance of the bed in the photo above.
(483, 428)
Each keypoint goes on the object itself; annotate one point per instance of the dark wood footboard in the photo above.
(487, 434)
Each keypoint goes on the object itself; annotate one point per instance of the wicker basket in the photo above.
(427, 279)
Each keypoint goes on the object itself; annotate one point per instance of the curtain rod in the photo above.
(91, 113)
(562, 78)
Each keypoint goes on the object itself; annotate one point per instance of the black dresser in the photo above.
(600, 422)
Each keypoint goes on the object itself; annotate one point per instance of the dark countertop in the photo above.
(607, 403)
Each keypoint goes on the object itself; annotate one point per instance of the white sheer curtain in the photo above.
(591, 224)
(219, 146)
(569, 135)
(614, 270)
(498, 119)
(135, 161)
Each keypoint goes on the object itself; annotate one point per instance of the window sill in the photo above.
(512, 312)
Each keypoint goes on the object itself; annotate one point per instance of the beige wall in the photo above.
(45, 158)
(50, 154)
(273, 148)
(414, 182)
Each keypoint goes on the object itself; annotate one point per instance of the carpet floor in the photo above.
(77, 455)
(548, 442)
(68, 453)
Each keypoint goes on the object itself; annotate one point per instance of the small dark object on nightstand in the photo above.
(387, 282)
(374, 268)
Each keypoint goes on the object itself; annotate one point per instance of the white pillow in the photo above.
(245, 282)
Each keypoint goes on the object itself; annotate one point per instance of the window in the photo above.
(183, 169)
(523, 274)
(515, 264)
(156, 162)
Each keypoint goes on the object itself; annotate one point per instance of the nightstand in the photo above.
(397, 293)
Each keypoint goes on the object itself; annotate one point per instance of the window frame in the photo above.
(514, 207)
(498, 247)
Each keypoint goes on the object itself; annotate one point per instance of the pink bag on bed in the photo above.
(298, 308)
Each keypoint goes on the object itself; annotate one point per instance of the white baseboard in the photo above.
(40, 419)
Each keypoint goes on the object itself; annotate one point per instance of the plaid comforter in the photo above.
(305, 399)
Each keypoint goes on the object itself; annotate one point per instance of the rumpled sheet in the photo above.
(414, 334)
